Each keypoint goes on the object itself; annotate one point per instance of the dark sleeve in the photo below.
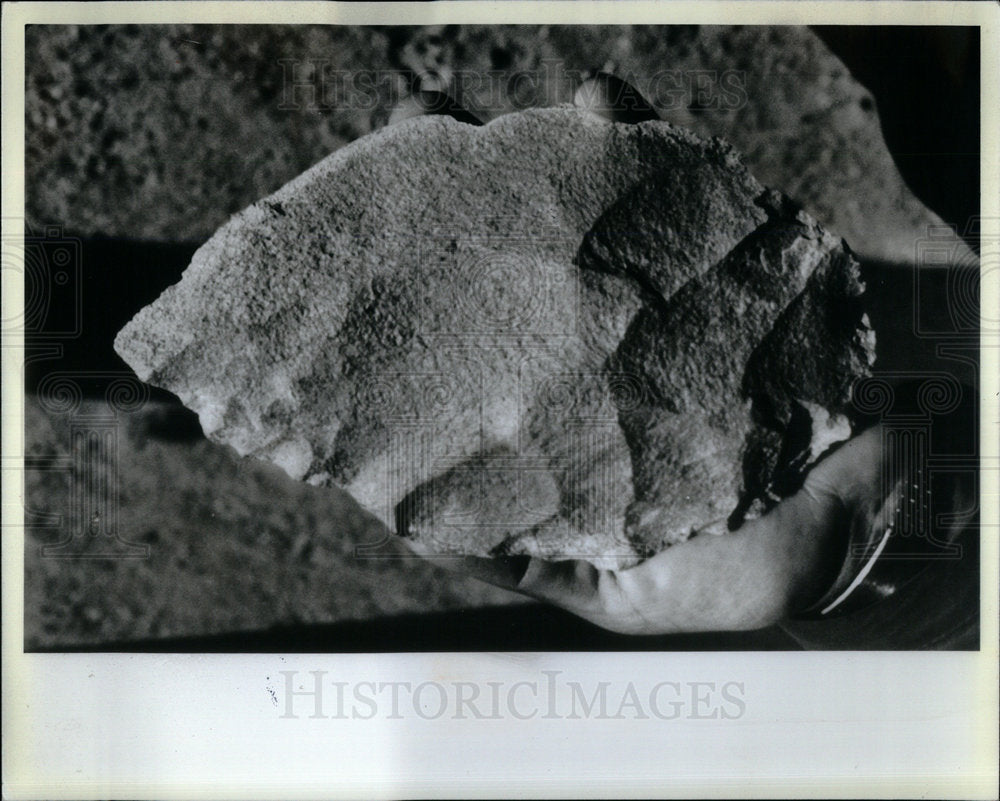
(937, 609)
(914, 584)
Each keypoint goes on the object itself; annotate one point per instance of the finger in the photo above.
(774, 566)
(431, 103)
(589, 592)
(743, 580)
(770, 569)
(614, 100)
(855, 472)
(501, 571)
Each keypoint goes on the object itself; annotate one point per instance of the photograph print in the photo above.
(501, 338)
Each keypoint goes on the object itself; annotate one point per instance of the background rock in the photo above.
(162, 132)
(202, 542)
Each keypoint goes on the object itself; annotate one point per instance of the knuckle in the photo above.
(617, 609)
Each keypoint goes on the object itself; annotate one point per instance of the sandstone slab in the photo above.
(547, 335)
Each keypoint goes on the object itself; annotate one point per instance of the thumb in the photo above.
(501, 571)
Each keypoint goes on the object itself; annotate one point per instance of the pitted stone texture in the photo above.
(163, 131)
(549, 335)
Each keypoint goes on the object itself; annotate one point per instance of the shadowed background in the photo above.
(141, 141)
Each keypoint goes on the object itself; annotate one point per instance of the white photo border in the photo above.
(204, 726)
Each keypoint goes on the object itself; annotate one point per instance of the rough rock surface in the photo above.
(162, 131)
(232, 545)
(548, 335)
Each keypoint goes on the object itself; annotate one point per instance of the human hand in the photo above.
(771, 568)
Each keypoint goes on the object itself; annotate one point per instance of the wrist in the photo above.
(919, 498)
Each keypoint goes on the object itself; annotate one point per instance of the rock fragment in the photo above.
(547, 335)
